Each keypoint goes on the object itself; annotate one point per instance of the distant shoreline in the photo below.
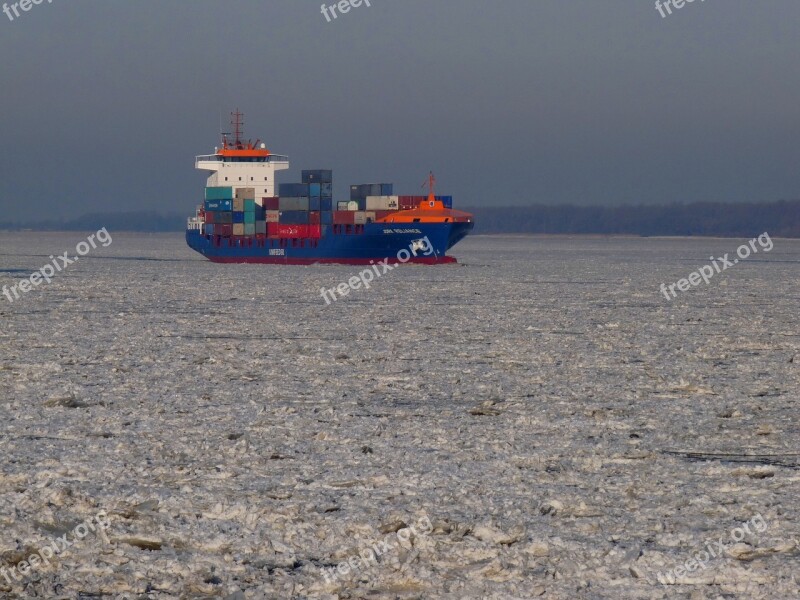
(703, 219)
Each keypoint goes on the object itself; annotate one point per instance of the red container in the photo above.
(344, 217)
(410, 202)
(224, 230)
(270, 203)
(210, 217)
(314, 218)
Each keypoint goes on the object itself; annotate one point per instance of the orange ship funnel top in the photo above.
(239, 147)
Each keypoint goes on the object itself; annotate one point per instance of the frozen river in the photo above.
(537, 421)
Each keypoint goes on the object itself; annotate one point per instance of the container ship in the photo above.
(243, 220)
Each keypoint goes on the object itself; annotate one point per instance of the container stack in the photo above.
(413, 202)
(302, 210)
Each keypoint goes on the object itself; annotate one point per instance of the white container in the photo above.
(383, 202)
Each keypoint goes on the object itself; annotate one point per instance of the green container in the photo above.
(249, 228)
(249, 217)
(249, 206)
(219, 193)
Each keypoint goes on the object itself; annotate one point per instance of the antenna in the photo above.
(237, 124)
(430, 183)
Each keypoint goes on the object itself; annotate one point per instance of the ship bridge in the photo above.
(241, 164)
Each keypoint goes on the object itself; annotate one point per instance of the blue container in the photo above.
(387, 189)
(217, 205)
(293, 190)
(313, 203)
(209, 229)
(318, 176)
(223, 218)
(261, 213)
(326, 218)
(362, 203)
(326, 204)
(446, 200)
(238, 217)
(315, 190)
(219, 193)
(326, 190)
(294, 217)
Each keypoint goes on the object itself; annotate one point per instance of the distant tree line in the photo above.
(780, 219)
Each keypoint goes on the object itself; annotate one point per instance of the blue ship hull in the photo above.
(397, 242)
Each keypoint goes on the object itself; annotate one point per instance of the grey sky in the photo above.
(106, 102)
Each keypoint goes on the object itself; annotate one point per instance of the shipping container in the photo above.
(224, 217)
(224, 230)
(260, 213)
(326, 217)
(209, 217)
(446, 200)
(344, 217)
(410, 202)
(271, 203)
(294, 217)
(217, 205)
(293, 203)
(219, 193)
(249, 206)
(238, 217)
(315, 190)
(360, 217)
(272, 216)
(382, 202)
(209, 229)
(317, 176)
(314, 203)
(382, 214)
(327, 190)
(249, 217)
(387, 189)
(249, 228)
(355, 192)
(326, 204)
(245, 193)
(314, 218)
(238, 229)
(293, 190)
(292, 231)
(238, 205)
(261, 227)
(342, 205)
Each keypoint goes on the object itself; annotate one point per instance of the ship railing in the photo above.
(276, 158)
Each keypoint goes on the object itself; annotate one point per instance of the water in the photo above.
(564, 429)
